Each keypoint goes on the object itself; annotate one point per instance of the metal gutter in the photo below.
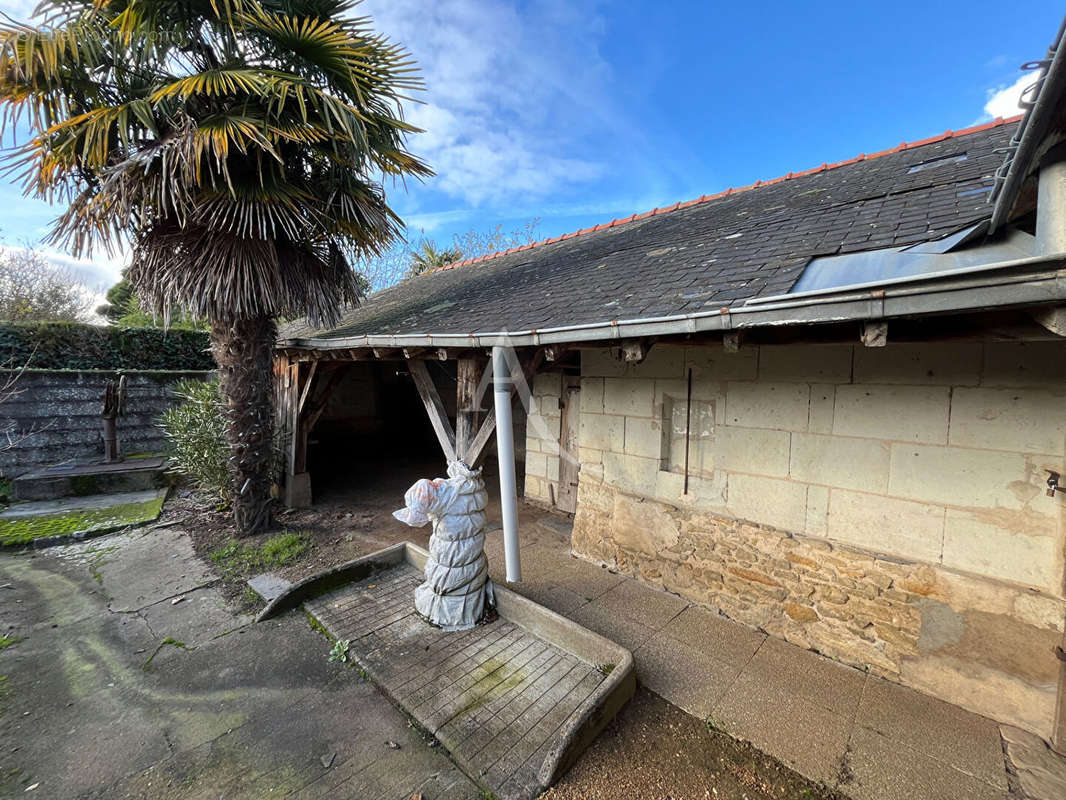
(1031, 131)
(1019, 282)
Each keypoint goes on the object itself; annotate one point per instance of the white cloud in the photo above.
(1003, 100)
(97, 274)
(507, 92)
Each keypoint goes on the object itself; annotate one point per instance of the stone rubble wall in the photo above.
(883, 506)
(63, 407)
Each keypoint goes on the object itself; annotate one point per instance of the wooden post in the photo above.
(438, 417)
(466, 406)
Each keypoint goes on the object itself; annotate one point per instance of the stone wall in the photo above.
(883, 506)
(63, 407)
(542, 438)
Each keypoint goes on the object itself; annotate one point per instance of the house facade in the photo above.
(886, 506)
(831, 405)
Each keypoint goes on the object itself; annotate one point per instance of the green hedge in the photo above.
(73, 345)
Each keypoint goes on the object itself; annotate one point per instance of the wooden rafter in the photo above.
(476, 451)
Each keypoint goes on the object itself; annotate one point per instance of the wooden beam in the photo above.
(317, 406)
(476, 451)
(307, 388)
(438, 417)
(731, 341)
(478, 447)
(466, 406)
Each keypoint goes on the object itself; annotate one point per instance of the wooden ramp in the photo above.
(514, 701)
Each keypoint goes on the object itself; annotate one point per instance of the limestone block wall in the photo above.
(884, 506)
(63, 407)
(542, 438)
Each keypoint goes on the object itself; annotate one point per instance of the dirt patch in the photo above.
(655, 751)
(336, 530)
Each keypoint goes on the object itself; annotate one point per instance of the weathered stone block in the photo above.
(631, 397)
(1024, 364)
(973, 543)
(876, 412)
(711, 362)
(826, 363)
(962, 477)
(643, 437)
(754, 450)
(940, 364)
(823, 401)
(768, 501)
(860, 464)
(642, 526)
(536, 464)
(591, 395)
(602, 431)
(887, 525)
(1027, 421)
(779, 406)
(630, 473)
(547, 384)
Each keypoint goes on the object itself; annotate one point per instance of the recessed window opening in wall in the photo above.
(700, 427)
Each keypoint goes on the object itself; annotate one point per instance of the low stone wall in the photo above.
(63, 410)
(883, 506)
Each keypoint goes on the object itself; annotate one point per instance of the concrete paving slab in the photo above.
(642, 604)
(1041, 772)
(268, 585)
(241, 716)
(631, 635)
(561, 527)
(35, 508)
(792, 669)
(806, 736)
(49, 523)
(558, 598)
(881, 769)
(687, 677)
(715, 635)
(966, 741)
(199, 617)
(152, 567)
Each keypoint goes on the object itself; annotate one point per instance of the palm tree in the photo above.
(429, 257)
(238, 147)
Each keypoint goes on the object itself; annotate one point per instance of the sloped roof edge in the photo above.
(949, 134)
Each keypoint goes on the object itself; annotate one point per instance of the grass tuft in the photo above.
(235, 559)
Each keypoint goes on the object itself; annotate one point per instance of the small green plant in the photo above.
(171, 641)
(5, 491)
(339, 651)
(235, 559)
(605, 669)
(195, 428)
(7, 641)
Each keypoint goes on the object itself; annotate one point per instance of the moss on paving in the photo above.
(7, 641)
(22, 530)
(235, 559)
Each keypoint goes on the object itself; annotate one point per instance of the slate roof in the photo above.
(710, 253)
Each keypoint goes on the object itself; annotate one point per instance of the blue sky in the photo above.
(578, 112)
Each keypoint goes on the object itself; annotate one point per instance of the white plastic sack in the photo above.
(457, 588)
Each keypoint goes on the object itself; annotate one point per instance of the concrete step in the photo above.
(79, 480)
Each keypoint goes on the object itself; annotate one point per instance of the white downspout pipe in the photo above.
(501, 391)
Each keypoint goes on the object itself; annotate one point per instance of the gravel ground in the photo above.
(655, 751)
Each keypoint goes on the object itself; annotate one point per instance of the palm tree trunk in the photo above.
(243, 349)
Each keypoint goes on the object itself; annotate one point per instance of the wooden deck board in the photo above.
(496, 696)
